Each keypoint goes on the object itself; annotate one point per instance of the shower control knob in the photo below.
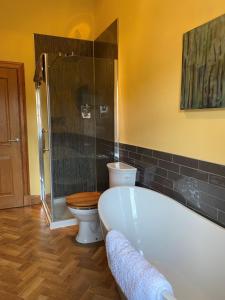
(86, 111)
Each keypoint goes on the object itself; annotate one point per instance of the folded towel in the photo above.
(136, 277)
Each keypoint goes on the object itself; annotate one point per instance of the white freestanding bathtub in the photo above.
(186, 247)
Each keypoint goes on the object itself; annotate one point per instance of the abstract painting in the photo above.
(203, 66)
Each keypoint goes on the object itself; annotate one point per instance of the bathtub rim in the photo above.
(205, 219)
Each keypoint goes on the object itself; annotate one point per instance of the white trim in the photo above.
(63, 223)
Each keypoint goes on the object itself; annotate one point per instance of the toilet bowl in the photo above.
(83, 207)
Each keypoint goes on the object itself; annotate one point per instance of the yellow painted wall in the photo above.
(150, 55)
(18, 21)
(150, 48)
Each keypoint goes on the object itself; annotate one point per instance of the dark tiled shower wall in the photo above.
(54, 44)
(69, 170)
(73, 163)
(106, 45)
(196, 184)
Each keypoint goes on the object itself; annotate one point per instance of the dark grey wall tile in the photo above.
(174, 176)
(162, 155)
(168, 192)
(221, 217)
(135, 156)
(156, 186)
(163, 181)
(141, 184)
(110, 35)
(149, 160)
(175, 195)
(128, 147)
(185, 161)
(140, 165)
(106, 45)
(147, 179)
(128, 161)
(211, 189)
(195, 184)
(188, 188)
(194, 173)
(161, 172)
(217, 180)
(169, 166)
(203, 209)
(147, 152)
(106, 50)
(54, 44)
(123, 152)
(212, 168)
(212, 201)
(150, 169)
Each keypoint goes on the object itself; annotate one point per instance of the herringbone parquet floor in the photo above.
(39, 263)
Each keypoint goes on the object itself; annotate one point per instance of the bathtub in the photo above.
(184, 246)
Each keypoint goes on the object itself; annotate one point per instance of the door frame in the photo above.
(19, 67)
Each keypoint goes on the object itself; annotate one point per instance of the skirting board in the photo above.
(31, 200)
(63, 223)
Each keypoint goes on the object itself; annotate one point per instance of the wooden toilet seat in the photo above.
(85, 200)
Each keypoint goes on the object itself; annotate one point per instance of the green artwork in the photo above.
(203, 66)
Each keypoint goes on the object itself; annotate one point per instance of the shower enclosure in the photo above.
(76, 105)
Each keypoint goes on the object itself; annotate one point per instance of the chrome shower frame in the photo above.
(41, 136)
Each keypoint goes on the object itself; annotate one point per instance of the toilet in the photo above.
(121, 174)
(84, 207)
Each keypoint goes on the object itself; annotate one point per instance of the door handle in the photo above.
(16, 140)
(45, 150)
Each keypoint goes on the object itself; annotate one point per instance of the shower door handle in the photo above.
(43, 140)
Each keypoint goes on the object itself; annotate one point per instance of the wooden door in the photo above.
(11, 167)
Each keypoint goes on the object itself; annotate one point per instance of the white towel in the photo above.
(136, 277)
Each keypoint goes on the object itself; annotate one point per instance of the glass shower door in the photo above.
(66, 122)
(75, 106)
(44, 129)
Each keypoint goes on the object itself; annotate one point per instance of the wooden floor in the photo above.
(39, 263)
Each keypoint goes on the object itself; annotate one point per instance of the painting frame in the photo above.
(203, 66)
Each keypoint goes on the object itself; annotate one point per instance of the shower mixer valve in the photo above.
(86, 111)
